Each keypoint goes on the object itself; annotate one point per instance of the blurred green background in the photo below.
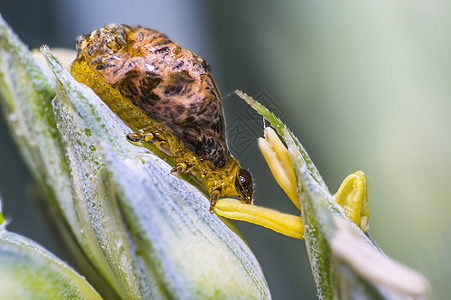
(364, 85)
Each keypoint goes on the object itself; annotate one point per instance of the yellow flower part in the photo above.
(286, 224)
(351, 195)
(353, 198)
(279, 162)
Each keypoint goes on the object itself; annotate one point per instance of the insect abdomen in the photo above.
(169, 84)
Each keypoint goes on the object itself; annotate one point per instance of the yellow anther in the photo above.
(353, 198)
(351, 195)
(278, 160)
(286, 224)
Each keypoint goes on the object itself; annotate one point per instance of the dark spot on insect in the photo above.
(128, 89)
(100, 67)
(123, 26)
(154, 97)
(121, 39)
(131, 74)
(162, 43)
(199, 109)
(96, 60)
(171, 90)
(177, 49)
(205, 65)
(179, 65)
(150, 81)
(182, 77)
(162, 50)
(108, 35)
(106, 49)
(110, 58)
(130, 65)
(104, 66)
(190, 119)
(140, 37)
(160, 40)
(144, 88)
(116, 70)
(202, 63)
(90, 50)
(147, 95)
(179, 109)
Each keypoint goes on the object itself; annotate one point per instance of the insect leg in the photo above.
(182, 167)
(155, 138)
(141, 137)
(214, 195)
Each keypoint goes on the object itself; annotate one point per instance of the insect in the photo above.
(167, 95)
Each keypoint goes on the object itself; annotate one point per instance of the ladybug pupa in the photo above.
(168, 97)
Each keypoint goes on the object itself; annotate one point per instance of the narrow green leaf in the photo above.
(279, 126)
(26, 90)
(2, 218)
(102, 233)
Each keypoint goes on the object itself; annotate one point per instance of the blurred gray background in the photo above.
(364, 85)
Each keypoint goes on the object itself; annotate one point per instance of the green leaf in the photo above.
(26, 89)
(181, 250)
(147, 232)
(29, 271)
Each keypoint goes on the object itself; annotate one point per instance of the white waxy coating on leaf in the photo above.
(167, 219)
(30, 272)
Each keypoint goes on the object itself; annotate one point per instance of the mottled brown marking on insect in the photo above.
(168, 96)
(147, 67)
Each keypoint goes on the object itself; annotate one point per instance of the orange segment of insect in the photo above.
(167, 95)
